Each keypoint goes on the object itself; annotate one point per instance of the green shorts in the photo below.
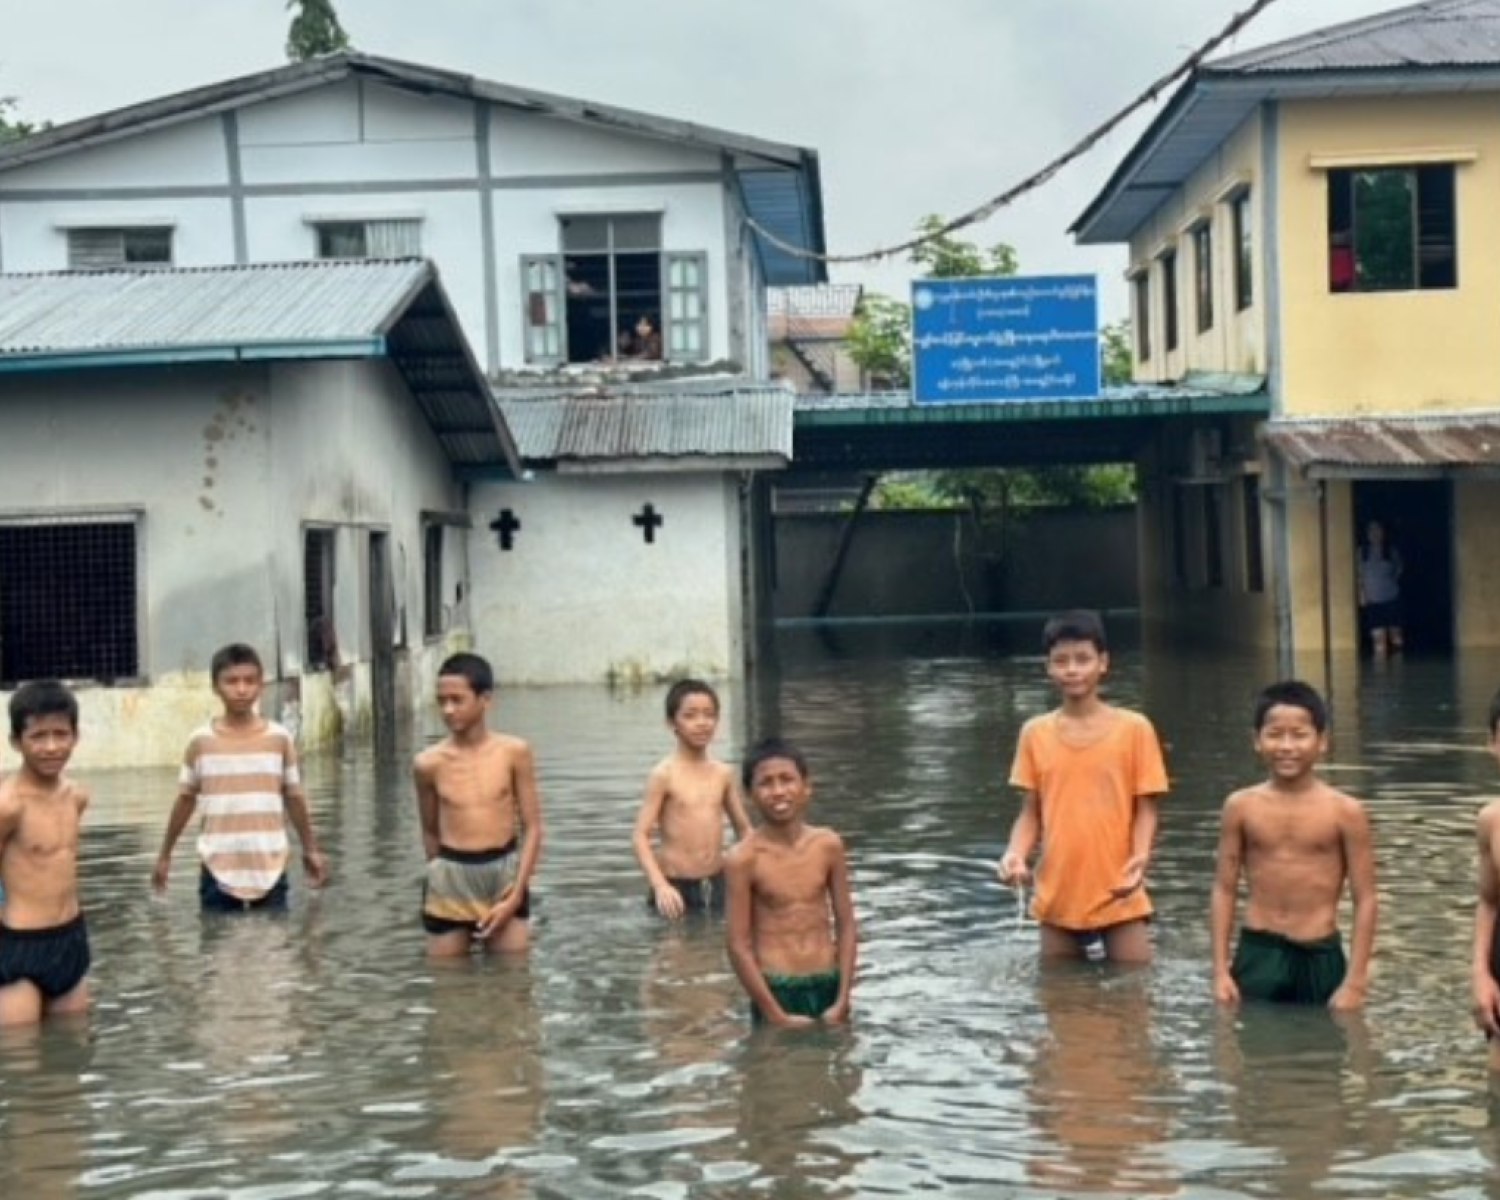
(801, 995)
(1268, 966)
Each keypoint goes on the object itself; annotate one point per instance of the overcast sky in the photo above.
(913, 107)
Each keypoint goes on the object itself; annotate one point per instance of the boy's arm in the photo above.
(1143, 828)
(1359, 864)
(1228, 862)
(668, 899)
(427, 806)
(739, 938)
(314, 862)
(1024, 832)
(182, 812)
(734, 805)
(1486, 987)
(846, 929)
(524, 788)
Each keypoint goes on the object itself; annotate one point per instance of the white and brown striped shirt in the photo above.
(241, 780)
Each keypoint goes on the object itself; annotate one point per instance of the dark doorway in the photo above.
(382, 642)
(1418, 517)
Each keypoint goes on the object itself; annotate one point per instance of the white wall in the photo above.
(580, 567)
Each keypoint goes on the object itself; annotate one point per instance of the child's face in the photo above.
(460, 705)
(46, 744)
(695, 720)
(780, 790)
(1076, 667)
(238, 687)
(1289, 743)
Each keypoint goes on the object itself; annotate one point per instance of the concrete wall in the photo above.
(582, 597)
(225, 468)
(941, 563)
(359, 151)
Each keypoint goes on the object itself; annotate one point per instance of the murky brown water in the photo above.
(321, 1055)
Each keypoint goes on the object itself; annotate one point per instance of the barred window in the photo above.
(68, 600)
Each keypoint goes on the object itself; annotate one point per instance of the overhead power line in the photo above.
(990, 207)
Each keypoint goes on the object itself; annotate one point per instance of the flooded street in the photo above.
(319, 1054)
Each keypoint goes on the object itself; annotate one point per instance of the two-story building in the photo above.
(1324, 212)
(589, 253)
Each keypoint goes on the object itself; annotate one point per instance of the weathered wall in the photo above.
(582, 597)
(938, 563)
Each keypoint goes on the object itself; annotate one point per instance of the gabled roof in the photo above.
(1434, 47)
(780, 183)
(328, 309)
(739, 427)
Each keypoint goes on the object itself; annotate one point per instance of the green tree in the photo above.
(315, 30)
(1117, 365)
(11, 127)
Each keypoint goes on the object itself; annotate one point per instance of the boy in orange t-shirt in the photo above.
(1092, 776)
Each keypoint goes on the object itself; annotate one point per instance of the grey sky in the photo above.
(913, 107)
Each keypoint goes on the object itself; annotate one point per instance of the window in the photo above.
(317, 600)
(1169, 297)
(1203, 275)
(434, 616)
(1392, 229)
(68, 600)
(106, 249)
(1143, 316)
(369, 239)
(614, 293)
(1244, 262)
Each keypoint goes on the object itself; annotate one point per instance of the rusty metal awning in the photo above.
(1450, 445)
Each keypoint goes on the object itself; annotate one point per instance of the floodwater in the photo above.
(320, 1055)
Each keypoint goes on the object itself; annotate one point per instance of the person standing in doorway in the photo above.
(1379, 571)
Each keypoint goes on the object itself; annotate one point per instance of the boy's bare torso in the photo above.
(1292, 847)
(691, 822)
(39, 851)
(475, 789)
(789, 887)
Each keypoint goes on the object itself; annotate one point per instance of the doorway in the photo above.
(1418, 517)
(382, 643)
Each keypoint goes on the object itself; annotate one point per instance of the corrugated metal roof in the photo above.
(781, 183)
(1395, 446)
(334, 308)
(329, 301)
(1438, 47)
(746, 422)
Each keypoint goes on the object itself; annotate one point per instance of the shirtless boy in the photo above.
(44, 944)
(791, 931)
(1092, 779)
(481, 821)
(1485, 968)
(688, 796)
(1298, 843)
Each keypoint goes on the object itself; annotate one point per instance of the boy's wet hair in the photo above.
(236, 654)
(1077, 625)
(1294, 694)
(684, 688)
(41, 698)
(471, 667)
(767, 749)
(1494, 714)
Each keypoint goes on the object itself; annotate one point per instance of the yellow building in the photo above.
(1325, 213)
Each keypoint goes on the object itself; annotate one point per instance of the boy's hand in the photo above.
(669, 902)
(1487, 1004)
(792, 1021)
(1226, 991)
(160, 871)
(1012, 869)
(315, 864)
(838, 1014)
(1349, 998)
(1131, 878)
(503, 911)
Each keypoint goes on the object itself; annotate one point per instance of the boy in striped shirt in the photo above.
(240, 771)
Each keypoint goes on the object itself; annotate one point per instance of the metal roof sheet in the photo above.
(1436, 47)
(781, 183)
(1389, 446)
(745, 422)
(332, 308)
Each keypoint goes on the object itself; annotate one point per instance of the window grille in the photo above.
(69, 606)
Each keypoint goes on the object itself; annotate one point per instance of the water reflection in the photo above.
(320, 1054)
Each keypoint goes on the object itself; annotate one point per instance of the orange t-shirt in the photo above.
(1086, 796)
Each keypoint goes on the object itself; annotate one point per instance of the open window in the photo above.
(322, 652)
(104, 249)
(396, 238)
(1392, 229)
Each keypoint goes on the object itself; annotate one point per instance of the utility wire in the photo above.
(990, 207)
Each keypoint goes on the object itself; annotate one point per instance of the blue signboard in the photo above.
(1017, 338)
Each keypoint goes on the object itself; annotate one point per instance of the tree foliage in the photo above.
(11, 126)
(315, 30)
(1117, 366)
